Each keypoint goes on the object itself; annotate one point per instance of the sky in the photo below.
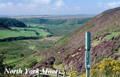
(55, 7)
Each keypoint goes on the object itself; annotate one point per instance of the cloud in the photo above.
(10, 4)
(31, 5)
(19, 5)
(77, 8)
(113, 4)
(26, 6)
(17, 9)
(2, 5)
(108, 5)
(59, 3)
(41, 1)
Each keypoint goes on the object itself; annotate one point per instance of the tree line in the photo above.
(18, 38)
(10, 22)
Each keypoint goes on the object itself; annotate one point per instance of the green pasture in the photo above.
(27, 32)
(8, 33)
(40, 31)
(34, 24)
(62, 29)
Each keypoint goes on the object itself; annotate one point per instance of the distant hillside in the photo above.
(59, 27)
(54, 21)
(9, 22)
(105, 31)
(53, 16)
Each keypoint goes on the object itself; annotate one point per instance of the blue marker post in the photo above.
(87, 52)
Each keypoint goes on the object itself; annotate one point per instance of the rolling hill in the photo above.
(69, 50)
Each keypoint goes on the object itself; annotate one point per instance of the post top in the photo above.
(87, 40)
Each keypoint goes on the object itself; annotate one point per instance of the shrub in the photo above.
(107, 67)
(73, 74)
(21, 55)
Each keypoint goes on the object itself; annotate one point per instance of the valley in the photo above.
(25, 46)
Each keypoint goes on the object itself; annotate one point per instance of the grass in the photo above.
(23, 63)
(8, 33)
(33, 24)
(32, 47)
(22, 32)
(92, 19)
(67, 40)
(58, 41)
(113, 34)
(13, 61)
(40, 31)
(85, 29)
(13, 46)
(110, 29)
(40, 45)
(95, 42)
(64, 42)
(13, 50)
(27, 61)
(40, 58)
(58, 67)
(60, 30)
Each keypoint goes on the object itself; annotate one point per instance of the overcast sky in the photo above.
(55, 7)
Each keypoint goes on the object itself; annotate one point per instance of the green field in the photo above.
(27, 32)
(8, 33)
